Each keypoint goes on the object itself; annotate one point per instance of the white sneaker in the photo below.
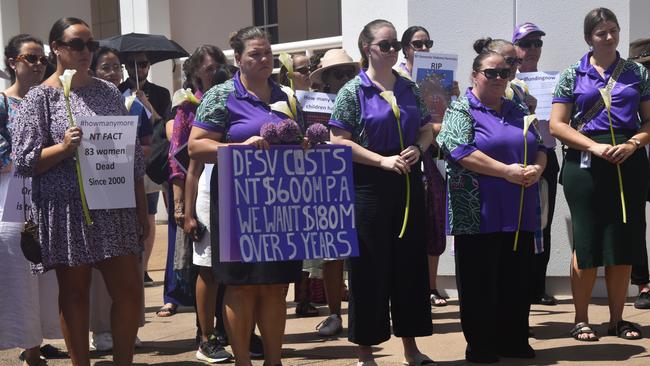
(101, 342)
(330, 326)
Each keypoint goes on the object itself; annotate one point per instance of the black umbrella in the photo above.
(157, 47)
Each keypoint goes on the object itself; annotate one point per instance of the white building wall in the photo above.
(455, 25)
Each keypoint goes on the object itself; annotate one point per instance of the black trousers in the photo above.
(640, 275)
(493, 282)
(540, 261)
(389, 279)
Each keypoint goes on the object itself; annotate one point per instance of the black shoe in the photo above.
(148, 281)
(222, 338)
(256, 347)
(547, 300)
(642, 301)
(212, 352)
(523, 352)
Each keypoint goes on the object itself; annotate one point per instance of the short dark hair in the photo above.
(408, 35)
(101, 52)
(193, 63)
(237, 39)
(597, 16)
(12, 50)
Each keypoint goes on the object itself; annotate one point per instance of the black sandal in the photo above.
(583, 328)
(622, 329)
(436, 297)
(306, 310)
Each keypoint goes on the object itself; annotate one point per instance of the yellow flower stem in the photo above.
(618, 169)
(84, 204)
(408, 184)
(521, 197)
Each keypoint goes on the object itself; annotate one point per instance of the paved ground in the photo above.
(170, 341)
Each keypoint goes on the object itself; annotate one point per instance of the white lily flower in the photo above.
(607, 97)
(184, 95)
(282, 107)
(389, 96)
(286, 60)
(528, 120)
(66, 81)
(128, 102)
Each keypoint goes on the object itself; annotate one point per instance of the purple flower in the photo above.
(289, 131)
(317, 134)
(269, 132)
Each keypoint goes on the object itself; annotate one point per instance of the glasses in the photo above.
(32, 59)
(303, 70)
(528, 43)
(512, 61)
(78, 44)
(419, 44)
(342, 73)
(386, 45)
(110, 67)
(493, 73)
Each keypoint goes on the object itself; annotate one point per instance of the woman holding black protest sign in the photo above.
(232, 114)
(73, 239)
(381, 116)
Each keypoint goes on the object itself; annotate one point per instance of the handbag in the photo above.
(29, 240)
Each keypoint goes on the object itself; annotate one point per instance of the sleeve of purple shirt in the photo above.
(456, 137)
(211, 114)
(564, 88)
(346, 110)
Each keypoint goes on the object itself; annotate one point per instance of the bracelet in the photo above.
(419, 147)
(636, 142)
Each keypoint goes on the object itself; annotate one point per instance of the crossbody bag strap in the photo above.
(599, 105)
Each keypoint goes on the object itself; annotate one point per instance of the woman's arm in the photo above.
(53, 155)
(178, 188)
(203, 144)
(364, 156)
(621, 152)
(560, 129)
(411, 154)
(479, 162)
(191, 188)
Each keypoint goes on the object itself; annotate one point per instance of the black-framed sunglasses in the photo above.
(528, 43)
(493, 73)
(512, 61)
(31, 59)
(302, 70)
(418, 44)
(78, 44)
(386, 45)
(341, 73)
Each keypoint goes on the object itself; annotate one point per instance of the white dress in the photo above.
(29, 303)
(202, 255)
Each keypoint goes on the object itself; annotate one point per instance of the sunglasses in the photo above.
(32, 59)
(303, 70)
(493, 73)
(78, 44)
(419, 44)
(512, 61)
(528, 43)
(342, 73)
(386, 45)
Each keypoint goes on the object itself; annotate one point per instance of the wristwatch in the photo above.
(421, 149)
(637, 142)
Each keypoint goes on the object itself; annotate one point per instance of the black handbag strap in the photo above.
(600, 104)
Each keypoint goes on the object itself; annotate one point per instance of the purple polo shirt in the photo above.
(230, 109)
(501, 138)
(579, 85)
(361, 110)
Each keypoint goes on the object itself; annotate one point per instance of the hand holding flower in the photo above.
(514, 173)
(619, 153)
(72, 139)
(532, 174)
(600, 150)
(411, 155)
(395, 163)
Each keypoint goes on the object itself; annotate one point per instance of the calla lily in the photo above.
(66, 81)
(389, 96)
(509, 92)
(286, 61)
(606, 94)
(289, 107)
(128, 102)
(184, 95)
(528, 120)
(282, 107)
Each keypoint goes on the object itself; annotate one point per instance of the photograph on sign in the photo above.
(435, 74)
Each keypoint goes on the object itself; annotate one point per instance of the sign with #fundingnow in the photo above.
(106, 157)
(286, 203)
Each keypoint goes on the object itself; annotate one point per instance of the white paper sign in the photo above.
(435, 74)
(13, 208)
(315, 101)
(106, 157)
(541, 85)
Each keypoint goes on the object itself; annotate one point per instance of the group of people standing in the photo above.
(489, 196)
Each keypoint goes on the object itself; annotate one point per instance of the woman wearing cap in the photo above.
(388, 281)
(528, 45)
(484, 146)
(606, 233)
(337, 68)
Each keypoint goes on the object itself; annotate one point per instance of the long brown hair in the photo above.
(366, 37)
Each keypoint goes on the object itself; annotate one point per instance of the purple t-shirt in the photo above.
(500, 136)
(230, 109)
(361, 110)
(579, 85)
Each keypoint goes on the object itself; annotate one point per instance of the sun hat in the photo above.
(332, 58)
